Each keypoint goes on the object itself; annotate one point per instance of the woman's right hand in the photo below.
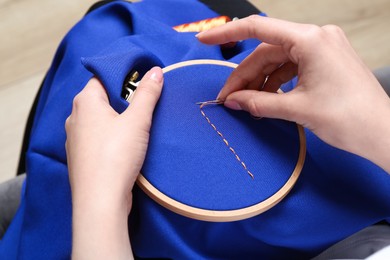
(337, 97)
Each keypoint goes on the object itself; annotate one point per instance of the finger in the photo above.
(147, 94)
(252, 71)
(269, 30)
(262, 62)
(263, 104)
(281, 75)
(92, 100)
(95, 90)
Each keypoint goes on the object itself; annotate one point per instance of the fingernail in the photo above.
(232, 105)
(156, 74)
(200, 33)
(219, 95)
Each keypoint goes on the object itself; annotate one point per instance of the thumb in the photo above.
(262, 104)
(147, 94)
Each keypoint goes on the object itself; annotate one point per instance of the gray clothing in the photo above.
(383, 76)
(10, 192)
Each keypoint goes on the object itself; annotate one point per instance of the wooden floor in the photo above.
(32, 29)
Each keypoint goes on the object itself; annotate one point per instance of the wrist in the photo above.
(100, 228)
(375, 143)
(96, 199)
(99, 190)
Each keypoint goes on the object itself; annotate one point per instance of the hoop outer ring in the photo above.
(224, 215)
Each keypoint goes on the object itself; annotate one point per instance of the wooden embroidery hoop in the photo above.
(224, 215)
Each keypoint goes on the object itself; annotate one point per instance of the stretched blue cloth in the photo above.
(336, 195)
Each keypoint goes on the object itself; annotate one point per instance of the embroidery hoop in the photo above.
(224, 215)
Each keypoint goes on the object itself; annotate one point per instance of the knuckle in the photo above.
(85, 98)
(252, 22)
(312, 33)
(334, 29)
(312, 38)
(335, 32)
(253, 18)
(68, 123)
(254, 107)
(78, 99)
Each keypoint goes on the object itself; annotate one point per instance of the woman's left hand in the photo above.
(105, 153)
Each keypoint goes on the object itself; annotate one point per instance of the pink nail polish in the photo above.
(156, 74)
(199, 34)
(218, 96)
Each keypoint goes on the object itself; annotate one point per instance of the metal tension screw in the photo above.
(130, 85)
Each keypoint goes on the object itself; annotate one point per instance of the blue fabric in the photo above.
(186, 150)
(336, 195)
